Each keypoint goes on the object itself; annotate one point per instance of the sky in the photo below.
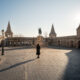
(26, 16)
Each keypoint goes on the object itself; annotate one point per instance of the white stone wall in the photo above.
(70, 41)
(78, 32)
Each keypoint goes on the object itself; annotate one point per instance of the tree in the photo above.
(45, 34)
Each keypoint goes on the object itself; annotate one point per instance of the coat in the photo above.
(37, 50)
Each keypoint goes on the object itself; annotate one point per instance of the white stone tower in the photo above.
(9, 32)
(78, 31)
(52, 33)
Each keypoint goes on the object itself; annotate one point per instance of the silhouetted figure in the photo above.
(2, 44)
(38, 50)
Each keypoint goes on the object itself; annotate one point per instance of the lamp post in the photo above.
(33, 41)
(2, 42)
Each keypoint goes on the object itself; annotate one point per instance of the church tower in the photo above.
(9, 32)
(78, 31)
(52, 33)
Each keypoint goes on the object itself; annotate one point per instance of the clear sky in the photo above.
(26, 16)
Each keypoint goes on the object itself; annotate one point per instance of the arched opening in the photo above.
(58, 43)
(78, 44)
(71, 44)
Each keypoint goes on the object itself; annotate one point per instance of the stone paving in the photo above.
(53, 64)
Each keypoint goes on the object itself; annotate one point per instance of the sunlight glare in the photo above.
(77, 18)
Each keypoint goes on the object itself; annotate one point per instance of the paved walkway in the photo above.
(54, 64)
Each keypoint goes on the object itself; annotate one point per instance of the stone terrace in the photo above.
(53, 64)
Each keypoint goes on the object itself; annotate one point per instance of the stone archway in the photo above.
(78, 44)
(59, 43)
(71, 44)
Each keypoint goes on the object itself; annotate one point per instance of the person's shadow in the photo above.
(15, 65)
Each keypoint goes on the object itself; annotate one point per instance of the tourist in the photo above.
(38, 50)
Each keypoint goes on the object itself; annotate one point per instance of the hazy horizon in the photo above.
(26, 16)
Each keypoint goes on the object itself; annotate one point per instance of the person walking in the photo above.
(38, 50)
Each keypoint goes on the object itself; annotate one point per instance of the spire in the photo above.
(52, 33)
(9, 31)
(9, 28)
(52, 30)
(78, 27)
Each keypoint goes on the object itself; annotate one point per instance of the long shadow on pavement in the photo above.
(72, 71)
(15, 65)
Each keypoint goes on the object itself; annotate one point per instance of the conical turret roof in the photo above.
(52, 30)
(9, 28)
(78, 27)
